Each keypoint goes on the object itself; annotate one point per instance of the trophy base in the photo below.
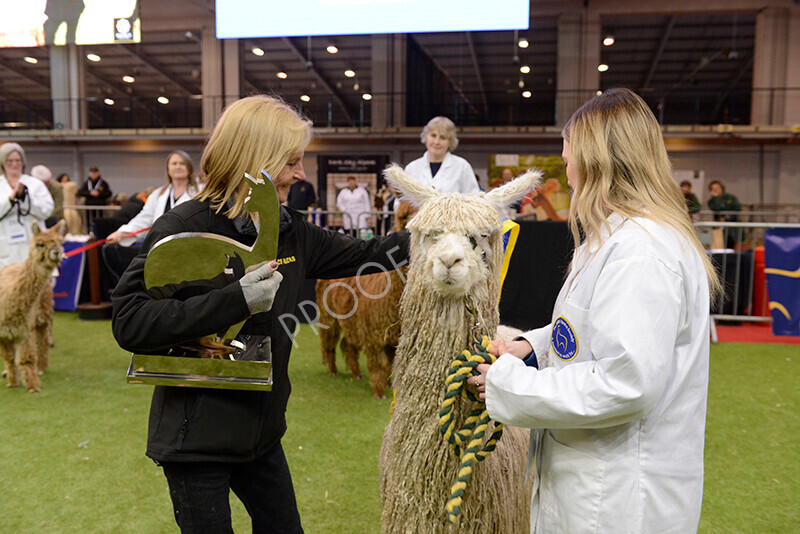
(199, 372)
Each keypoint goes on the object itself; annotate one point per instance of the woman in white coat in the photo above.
(438, 167)
(180, 187)
(621, 407)
(23, 200)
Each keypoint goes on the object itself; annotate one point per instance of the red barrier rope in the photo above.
(98, 243)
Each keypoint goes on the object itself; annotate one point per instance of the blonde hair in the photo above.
(254, 133)
(187, 160)
(444, 125)
(619, 156)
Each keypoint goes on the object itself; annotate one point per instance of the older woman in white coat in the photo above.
(180, 187)
(438, 167)
(23, 199)
(621, 408)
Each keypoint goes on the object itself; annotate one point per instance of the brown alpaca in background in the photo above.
(372, 325)
(26, 307)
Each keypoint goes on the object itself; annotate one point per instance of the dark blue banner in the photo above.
(782, 267)
(68, 284)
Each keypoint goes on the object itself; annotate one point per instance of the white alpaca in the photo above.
(456, 252)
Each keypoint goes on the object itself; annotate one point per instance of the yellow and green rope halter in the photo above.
(466, 441)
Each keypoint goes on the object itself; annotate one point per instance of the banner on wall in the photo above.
(59, 22)
(782, 267)
(333, 171)
(554, 186)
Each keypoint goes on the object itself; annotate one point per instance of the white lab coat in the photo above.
(454, 176)
(153, 208)
(354, 202)
(624, 403)
(16, 234)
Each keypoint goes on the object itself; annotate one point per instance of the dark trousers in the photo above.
(200, 494)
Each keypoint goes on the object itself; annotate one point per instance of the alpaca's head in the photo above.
(46, 249)
(455, 238)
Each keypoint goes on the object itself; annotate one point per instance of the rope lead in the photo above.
(466, 441)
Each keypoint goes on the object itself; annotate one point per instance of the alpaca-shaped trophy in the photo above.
(191, 263)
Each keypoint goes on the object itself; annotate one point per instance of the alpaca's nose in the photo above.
(451, 258)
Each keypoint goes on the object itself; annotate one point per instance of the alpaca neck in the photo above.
(33, 277)
(434, 330)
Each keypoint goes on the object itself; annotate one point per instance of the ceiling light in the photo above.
(108, 101)
(526, 94)
(524, 69)
(305, 98)
(602, 67)
(523, 43)
(257, 51)
(608, 40)
(162, 100)
(31, 60)
(332, 49)
(598, 93)
(282, 75)
(521, 84)
(349, 73)
(93, 57)
(366, 96)
(128, 79)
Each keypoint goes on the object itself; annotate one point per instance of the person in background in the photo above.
(692, 203)
(95, 191)
(353, 200)
(438, 167)
(23, 200)
(180, 186)
(721, 202)
(301, 196)
(71, 215)
(622, 407)
(212, 441)
(56, 191)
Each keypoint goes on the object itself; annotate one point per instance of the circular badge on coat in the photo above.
(563, 340)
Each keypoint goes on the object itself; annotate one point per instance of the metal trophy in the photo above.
(190, 263)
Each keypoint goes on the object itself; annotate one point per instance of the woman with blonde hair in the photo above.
(211, 441)
(619, 395)
(181, 186)
(439, 167)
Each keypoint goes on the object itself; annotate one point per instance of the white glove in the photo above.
(259, 287)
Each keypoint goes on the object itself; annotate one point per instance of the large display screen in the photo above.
(257, 18)
(29, 23)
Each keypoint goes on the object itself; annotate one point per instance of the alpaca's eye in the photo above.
(39, 245)
(434, 235)
(473, 242)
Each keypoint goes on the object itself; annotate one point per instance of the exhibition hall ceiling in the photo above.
(658, 53)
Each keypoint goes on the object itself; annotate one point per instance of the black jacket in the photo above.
(192, 424)
(101, 187)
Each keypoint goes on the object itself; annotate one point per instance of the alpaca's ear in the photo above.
(35, 228)
(60, 227)
(409, 188)
(504, 196)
